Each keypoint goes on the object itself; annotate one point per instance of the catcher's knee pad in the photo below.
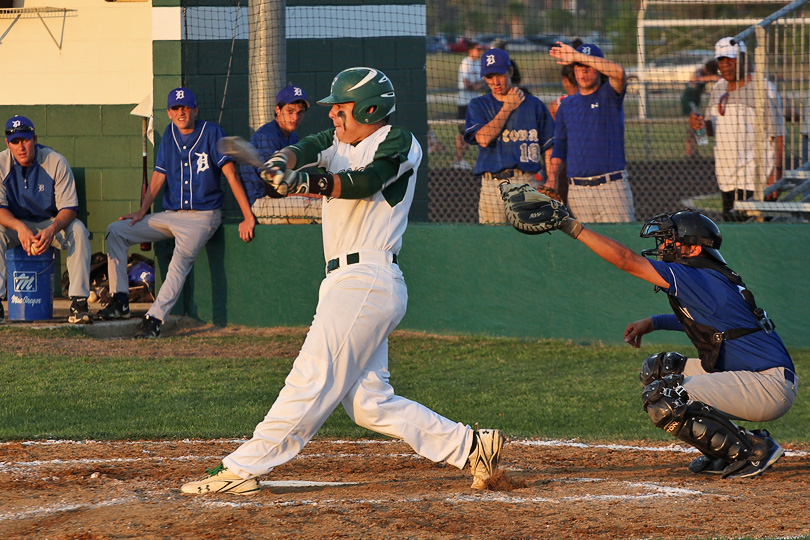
(659, 365)
(694, 422)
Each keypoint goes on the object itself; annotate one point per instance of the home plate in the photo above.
(303, 483)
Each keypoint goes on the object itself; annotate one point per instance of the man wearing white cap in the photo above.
(730, 117)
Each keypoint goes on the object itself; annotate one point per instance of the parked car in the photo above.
(673, 69)
(436, 44)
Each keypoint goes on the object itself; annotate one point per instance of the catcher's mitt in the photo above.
(550, 193)
(531, 212)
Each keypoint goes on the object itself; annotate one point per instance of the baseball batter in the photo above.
(189, 166)
(368, 188)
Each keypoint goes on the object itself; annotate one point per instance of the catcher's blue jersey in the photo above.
(712, 299)
(192, 167)
(528, 133)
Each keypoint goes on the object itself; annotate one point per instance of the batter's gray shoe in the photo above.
(221, 480)
(149, 328)
(756, 468)
(118, 308)
(79, 312)
(707, 465)
(486, 452)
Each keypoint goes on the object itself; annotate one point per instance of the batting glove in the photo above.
(275, 168)
(290, 182)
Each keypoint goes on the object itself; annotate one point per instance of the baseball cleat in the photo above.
(707, 465)
(756, 468)
(221, 480)
(79, 312)
(485, 455)
(118, 308)
(149, 328)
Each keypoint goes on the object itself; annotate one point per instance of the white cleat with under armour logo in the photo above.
(221, 480)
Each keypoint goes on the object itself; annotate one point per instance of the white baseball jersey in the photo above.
(734, 117)
(350, 225)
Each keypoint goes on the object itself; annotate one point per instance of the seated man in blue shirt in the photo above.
(38, 207)
(291, 104)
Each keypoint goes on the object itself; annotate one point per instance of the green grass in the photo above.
(547, 389)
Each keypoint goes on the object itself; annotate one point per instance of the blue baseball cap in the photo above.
(291, 94)
(181, 96)
(19, 127)
(590, 49)
(494, 61)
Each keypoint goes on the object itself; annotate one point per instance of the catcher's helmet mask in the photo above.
(685, 227)
(369, 89)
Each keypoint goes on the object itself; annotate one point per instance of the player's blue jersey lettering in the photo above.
(192, 168)
(37, 192)
(710, 298)
(590, 133)
(528, 133)
(267, 140)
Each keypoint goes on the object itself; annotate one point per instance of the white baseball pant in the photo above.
(756, 396)
(344, 359)
(74, 240)
(190, 229)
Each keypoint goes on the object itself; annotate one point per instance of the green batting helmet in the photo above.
(369, 89)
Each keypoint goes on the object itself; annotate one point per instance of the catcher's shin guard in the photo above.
(659, 365)
(694, 422)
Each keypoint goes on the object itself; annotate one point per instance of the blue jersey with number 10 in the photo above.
(528, 133)
(192, 167)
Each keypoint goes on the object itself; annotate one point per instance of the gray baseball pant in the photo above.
(75, 240)
(191, 230)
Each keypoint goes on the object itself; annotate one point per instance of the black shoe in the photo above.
(79, 312)
(755, 468)
(118, 308)
(149, 328)
(707, 465)
(2, 314)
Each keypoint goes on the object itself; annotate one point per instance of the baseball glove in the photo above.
(550, 193)
(531, 212)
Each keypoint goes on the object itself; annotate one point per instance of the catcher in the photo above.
(743, 370)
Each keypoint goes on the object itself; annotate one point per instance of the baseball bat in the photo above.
(145, 246)
(241, 150)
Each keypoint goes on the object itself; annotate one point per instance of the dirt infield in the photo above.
(92, 490)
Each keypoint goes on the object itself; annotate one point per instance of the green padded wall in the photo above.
(475, 279)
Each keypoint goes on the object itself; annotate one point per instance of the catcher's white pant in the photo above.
(344, 359)
(756, 396)
(191, 230)
(74, 240)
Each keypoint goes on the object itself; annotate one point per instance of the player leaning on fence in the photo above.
(368, 188)
(188, 169)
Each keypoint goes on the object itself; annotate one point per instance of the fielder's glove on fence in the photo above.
(531, 212)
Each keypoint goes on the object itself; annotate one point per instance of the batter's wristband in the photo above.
(321, 184)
